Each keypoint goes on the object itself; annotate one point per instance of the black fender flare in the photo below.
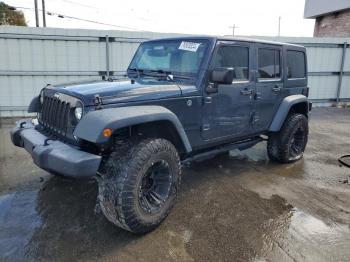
(284, 109)
(34, 105)
(90, 127)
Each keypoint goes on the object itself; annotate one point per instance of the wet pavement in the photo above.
(237, 207)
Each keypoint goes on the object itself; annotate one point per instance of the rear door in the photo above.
(269, 85)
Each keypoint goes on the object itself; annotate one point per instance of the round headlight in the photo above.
(78, 112)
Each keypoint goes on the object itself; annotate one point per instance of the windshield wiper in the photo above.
(136, 70)
(169, 75)
(157, 73)
(161, 72)
(151, 73)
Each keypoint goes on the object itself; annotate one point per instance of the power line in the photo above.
(98, 9)
(96, 22)
(80, 4)
(81, 19)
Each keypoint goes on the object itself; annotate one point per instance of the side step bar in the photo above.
(241, 145)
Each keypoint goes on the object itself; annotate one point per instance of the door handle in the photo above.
(208, 99)
(276, 88)
(246, 92)
(257, 96)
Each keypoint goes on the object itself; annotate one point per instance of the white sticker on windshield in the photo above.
(189, 46)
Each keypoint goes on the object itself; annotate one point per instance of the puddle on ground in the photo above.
(215, 217)
(254, 154)
(210, 220)
(314, 228)
(310, 239)
(18, 222)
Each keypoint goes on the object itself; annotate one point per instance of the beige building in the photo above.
(332, 17)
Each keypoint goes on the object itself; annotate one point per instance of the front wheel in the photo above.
(288, 145)
(138, 184)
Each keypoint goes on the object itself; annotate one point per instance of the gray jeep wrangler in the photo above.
(182, 99)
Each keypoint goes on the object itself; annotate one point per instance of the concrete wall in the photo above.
(34, 57)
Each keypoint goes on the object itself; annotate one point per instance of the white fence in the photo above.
(30, 58)
(328, 66)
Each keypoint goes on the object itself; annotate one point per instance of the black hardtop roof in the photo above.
(224, 38)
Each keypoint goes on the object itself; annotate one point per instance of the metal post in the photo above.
(107, 56)
(44, 13)
(36, 13)
(279, 26)
(233, 27)
(341, 72)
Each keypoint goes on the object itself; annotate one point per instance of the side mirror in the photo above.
(223, 75)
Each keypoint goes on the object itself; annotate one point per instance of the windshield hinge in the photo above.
(98, 102)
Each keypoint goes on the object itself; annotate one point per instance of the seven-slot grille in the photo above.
(55, 114)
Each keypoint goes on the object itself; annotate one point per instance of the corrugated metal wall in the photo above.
(326, 74)
(34, 57)
(30, 58)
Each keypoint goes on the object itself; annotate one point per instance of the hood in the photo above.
(124, 91)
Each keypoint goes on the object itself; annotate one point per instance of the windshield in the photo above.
(181, 57)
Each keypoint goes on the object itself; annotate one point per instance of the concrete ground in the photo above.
(231, 208)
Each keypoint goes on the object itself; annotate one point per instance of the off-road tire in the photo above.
(279, 144)
(120, 179)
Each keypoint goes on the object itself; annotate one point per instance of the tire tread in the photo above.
(278, 143)
(116, 182)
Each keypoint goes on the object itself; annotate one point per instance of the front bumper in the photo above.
(52, 155)
(310, 106)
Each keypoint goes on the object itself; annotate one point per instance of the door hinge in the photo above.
(98, 102)
(205, 127)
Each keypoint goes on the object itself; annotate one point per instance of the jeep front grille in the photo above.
(54, 115)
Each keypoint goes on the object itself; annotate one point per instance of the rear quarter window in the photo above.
(296, 67)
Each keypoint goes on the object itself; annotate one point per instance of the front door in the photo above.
(269, 85)
(227, 113)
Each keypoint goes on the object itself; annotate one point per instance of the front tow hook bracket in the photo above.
(21, 125)
(47, 140)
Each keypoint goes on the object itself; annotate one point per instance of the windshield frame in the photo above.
(204, 59)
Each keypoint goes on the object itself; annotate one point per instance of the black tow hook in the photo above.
(21, 125)
(345, 160)
(47, 140)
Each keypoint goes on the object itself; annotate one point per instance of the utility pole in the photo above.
(279, 26)
(44, 13)
(36, 13)
(233, 29)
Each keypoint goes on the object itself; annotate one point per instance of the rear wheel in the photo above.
(138, 184)
(289, 144)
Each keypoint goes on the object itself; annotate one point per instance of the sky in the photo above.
(251, 17)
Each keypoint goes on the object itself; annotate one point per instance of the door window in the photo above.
(296, 64)
(236, 57)
(269, 64)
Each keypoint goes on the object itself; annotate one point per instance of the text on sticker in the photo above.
(189, 46)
